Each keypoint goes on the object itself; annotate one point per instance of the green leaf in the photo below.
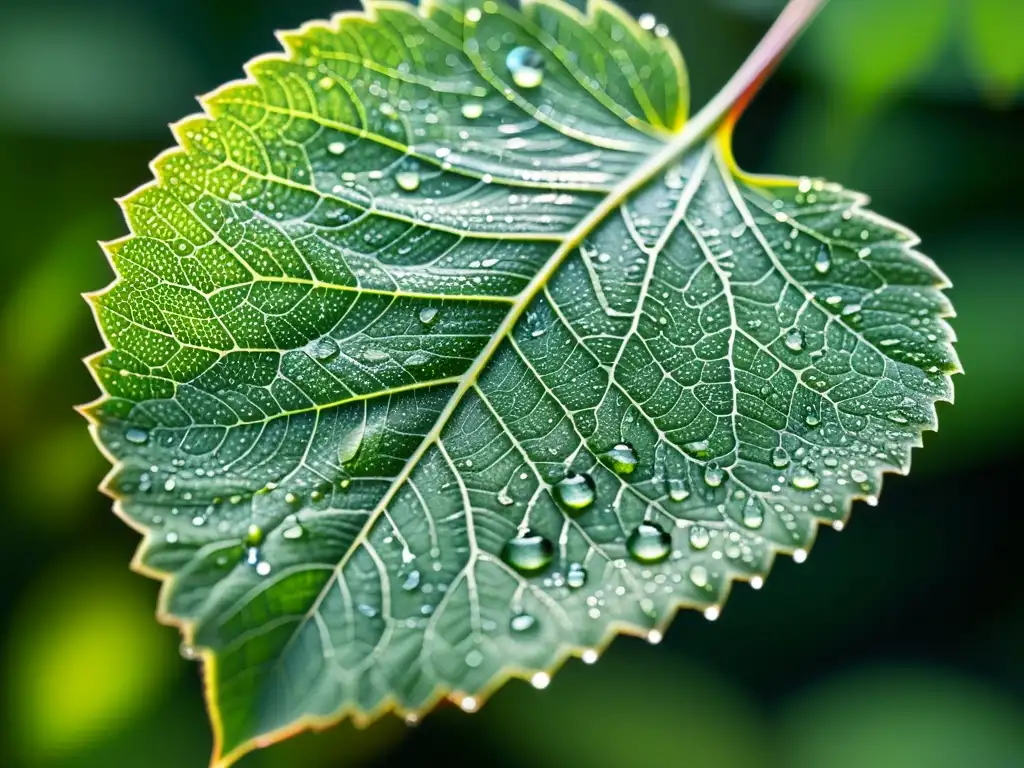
(443, 350)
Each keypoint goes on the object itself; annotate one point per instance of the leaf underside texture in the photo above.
(412, 387)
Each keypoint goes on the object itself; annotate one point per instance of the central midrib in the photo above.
(693, 132)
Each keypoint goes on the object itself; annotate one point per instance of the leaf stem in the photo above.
(730, 102)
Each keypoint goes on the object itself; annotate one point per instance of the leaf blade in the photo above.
(311, 412)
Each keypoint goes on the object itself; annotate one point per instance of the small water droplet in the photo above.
(575, 491)
(780, 458)
(699, 537)
(589, 656)
(336, 147)
(576, 576)
(804, 479)
(858, 476)
(713, 475)
(188, 652)
(367, 610)
(136, 436)
(471, 110)
(522, 622)
(263, 568)
(292, 533)
(253, 536)
(412, 581)
(622, 459)
(649, 543)
(699, 576)
(374, 355)
(678, 490)
(468, 704)
(647, 21)
(528, 553)
(428, 315)
(794, 340)
(812, 420)
(823, 261)
(526, 66)
(504, 499)
(753, 514)
(408, 180)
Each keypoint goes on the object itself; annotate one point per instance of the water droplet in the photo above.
(468, 704)
(136, 436)
(540, 680)
(336, 147)
(699, 576)
(753, 514)
(474, 659)
(575, 491)
(471, 110)
(412, 581)
(324, 349)
(804, 479)
(649, 543)
(795, 340)
(528, 553)
(799, 555)
(712, 612)
(780, 457)
(858, 476)
(576, 576)
(374, 355)
(408, 180)
(589, 656)
(812, 420)
(292, 533)
(823, 261)
(526, 66)
(263, 568)
(677, 489)
(188, 652)
(428, 315)
(504, 499)
(622, 459)
(522, 622)
(253, 536)
(647, 21)
(699, 537)
(713, 475)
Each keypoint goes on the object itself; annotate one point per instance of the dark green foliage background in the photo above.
(897, 644)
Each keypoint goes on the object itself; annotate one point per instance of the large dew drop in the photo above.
(522, 622)
(622, 459)
(804, 479)
(408, 180)
(794, 340)
(526, 66)
(471, 110)
(528, 553)
(428, 315)
(649, 543)
(699, 537)
(324, 349)
(714, 475)
(136, 436)
(575, 492)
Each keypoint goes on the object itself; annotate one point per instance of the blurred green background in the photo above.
(900, 643)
